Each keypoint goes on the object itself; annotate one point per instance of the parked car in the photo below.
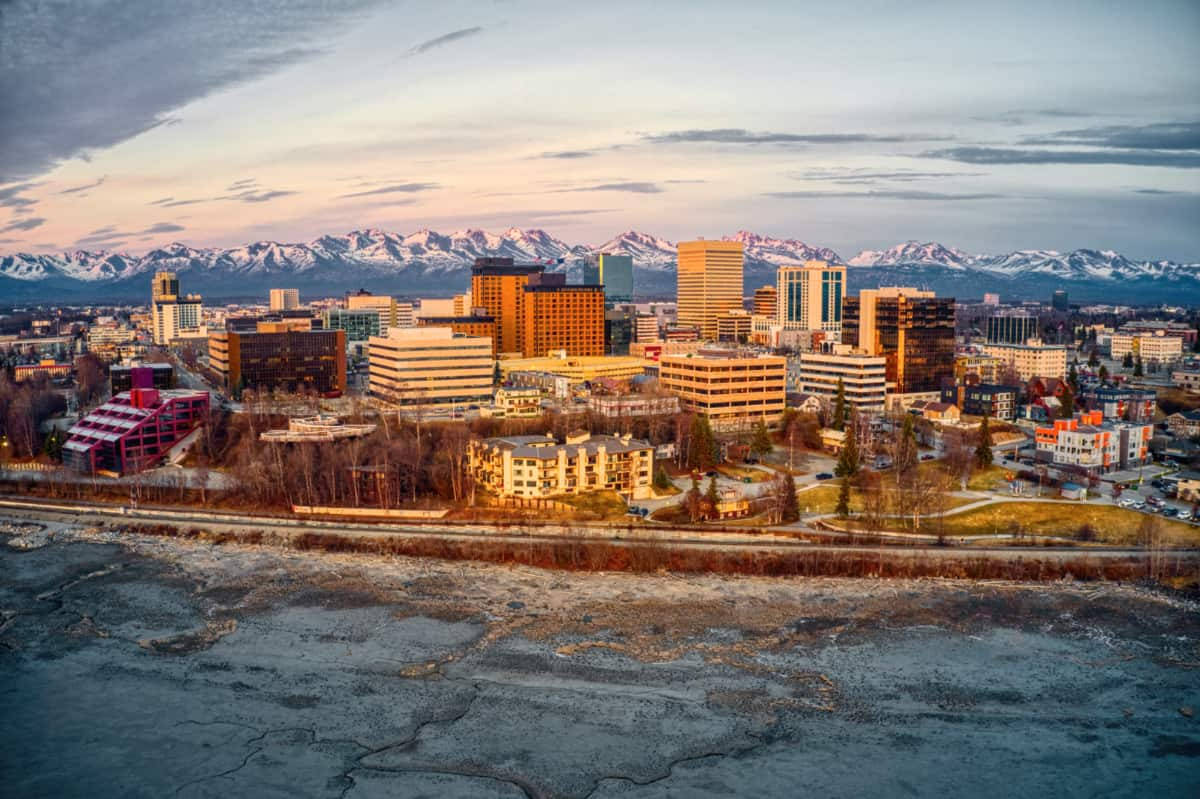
(1169, 512)
(1184, 516)
(824, 476)
(1138, 505)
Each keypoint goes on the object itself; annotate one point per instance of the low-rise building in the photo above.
(161, 376)
(134, 430)
(578, 368)
(984, 368)
(1184, 424)
(985, 399)
(945, 412)
(319, 428)
(1156, 347)
(734, 326)
(1186, 379)
(732, 388)
(1087, 443)
(46, 366)
(517, 402)
(654, 350)
(630, 405)
(1131, 404)
(863, 377)
(431, 368)
(537, 466)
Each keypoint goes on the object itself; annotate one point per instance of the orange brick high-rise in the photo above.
(562, 317)
(498, 285)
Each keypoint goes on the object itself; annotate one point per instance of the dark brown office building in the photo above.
(913, 329)
(283, 355)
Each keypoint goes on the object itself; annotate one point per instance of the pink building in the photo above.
(134, 429)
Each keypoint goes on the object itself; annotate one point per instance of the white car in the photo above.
(1184, 516)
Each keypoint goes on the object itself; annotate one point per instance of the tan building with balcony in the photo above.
(732, 388)
(537, 466)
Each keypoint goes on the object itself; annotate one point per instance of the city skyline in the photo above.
(989, 130)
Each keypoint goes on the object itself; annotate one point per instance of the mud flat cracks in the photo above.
(135, 666)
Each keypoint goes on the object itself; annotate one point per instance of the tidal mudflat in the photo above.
(134, 666)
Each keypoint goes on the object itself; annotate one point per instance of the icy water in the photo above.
(140, 667)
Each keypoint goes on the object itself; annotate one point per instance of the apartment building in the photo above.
(709, 283)
(998, 402)
(537, 466)
(1088, 444)
(977, 368)
(810, 297)
(1030, 360)
(732, 388)
(284, 299)
(517, 402)
(1116, 403)
(286, 355)
(1156, 347)
(863, 377)
(431, 368)
(912, 329)
(1187, 379)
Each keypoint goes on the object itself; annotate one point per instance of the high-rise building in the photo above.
(733, 389)
(1011, 329)
(391, 313)
(913, 330)
(810, 297)
(709, 277)
(618, 330)
(286, 354)
(431, 368)
(1059, 301)
(646, 327)
(614, 272)
(360, 324)
(498, 286)
(173, 315)
(765, 301)
(285, 299)
(559, 317)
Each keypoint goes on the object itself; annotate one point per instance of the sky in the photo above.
(986, 126)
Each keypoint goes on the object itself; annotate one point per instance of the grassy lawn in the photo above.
(989, 479)
(1110, 525)
(738, 472)
(595, 504)
(823, 499)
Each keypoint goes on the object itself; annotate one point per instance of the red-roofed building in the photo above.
(134, 429)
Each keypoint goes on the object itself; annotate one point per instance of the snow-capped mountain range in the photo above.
(427, 261)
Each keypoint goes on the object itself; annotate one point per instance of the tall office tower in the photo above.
(1059, 301)
(498, 286)
(165, 286)
(765, 301)
(810, 297)
(709, 279)
(614, 272)
(1011, 329)
(913, 330)
(561, 317)
(618, 330)
(285, 299)
(173, 315)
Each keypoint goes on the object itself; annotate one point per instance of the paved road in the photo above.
(22, 510)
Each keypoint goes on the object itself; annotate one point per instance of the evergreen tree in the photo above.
(1137, 368)
(692, 500)
(662, 481)
(1093, 358)
(847, 465)
(983, 451)
(1068, 403)
(711, 492)
(702, 446)
(761, 444)
(843, 503)
(1127, 361)
(839, 407)
(1073, 377)
(906, 446)
(1103, 373)
(496, 375)
(791, 506)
